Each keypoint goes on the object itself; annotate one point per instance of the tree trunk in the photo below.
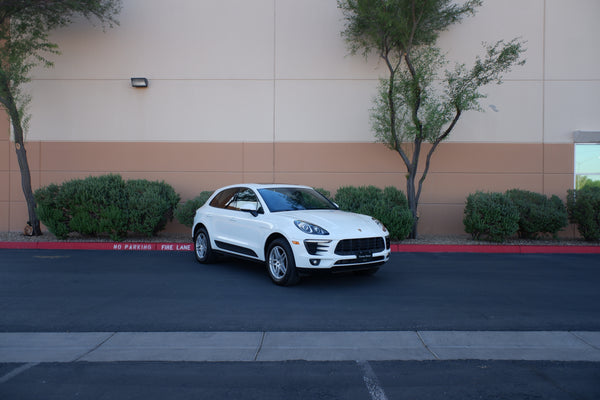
(24, 167)
(411, 196)
(27, 191)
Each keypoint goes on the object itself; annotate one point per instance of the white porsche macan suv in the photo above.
(293, 229)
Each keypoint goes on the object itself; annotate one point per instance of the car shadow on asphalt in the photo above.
(253, 271)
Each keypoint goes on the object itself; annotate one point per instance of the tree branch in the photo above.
(417, 100)
(433, 147)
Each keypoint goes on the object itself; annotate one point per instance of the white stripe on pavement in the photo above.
(16, 371)
(373, 386)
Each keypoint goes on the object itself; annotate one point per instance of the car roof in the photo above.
(257, 186)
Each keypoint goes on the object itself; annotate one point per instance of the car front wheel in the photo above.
(281, 264)
(202, 248)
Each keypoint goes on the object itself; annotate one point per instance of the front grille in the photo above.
(350, 247)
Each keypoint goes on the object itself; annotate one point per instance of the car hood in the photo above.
(338, 222)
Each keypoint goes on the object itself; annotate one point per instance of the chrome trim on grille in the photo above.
(358, 261)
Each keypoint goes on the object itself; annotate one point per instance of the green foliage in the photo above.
(416, 102)
(398, 96)
(490, 216)
(97, 204)
(24, 40)
(150, 206)
(583, 206)
(395, 26)
(24, 44)
(538, 214)
(185, 212)
(389, 206)
(106, 205)
(51, 210)
(419, 103)
(463, 85)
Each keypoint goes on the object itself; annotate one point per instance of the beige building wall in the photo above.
(264, 91)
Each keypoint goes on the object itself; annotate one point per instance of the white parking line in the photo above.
(16, 372)
(371, 381)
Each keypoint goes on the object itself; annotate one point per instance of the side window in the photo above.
(224, 199)
(246, 199)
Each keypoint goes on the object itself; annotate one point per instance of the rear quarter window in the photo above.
(222, 199)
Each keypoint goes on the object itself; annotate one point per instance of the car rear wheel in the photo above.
(281, 264)
(202, 248)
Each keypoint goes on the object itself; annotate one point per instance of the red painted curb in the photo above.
(397, 248)
(508, 249)
(97, 246)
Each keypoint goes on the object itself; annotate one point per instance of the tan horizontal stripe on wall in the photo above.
(457, 170)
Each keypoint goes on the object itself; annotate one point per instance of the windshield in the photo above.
(293, 198)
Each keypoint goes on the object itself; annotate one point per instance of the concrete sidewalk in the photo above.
(310, 346)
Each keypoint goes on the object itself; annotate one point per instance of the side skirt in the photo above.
(239, 250)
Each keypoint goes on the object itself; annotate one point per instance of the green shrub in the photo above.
(491, 216)
(150, 205)
(538, 214)
(105, 205)
(185, 212)
(583, 206)
(51, 210)
(96, 204)
(389, 206)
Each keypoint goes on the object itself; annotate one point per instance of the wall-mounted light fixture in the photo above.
(139, 82)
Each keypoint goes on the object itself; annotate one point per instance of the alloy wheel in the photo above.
(278, 262)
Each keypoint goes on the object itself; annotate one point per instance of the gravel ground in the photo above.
(185, 238)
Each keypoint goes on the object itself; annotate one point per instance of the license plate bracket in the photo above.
(364, 256)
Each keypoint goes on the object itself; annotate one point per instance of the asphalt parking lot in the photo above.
(104, 291)
(301, 380)
(359, 330)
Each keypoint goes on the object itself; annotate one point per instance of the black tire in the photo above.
(281, 265)
(202, 249)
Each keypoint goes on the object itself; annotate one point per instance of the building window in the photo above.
(587, 159)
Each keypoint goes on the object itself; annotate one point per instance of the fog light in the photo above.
(314, 262)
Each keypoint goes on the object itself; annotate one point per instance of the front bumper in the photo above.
(324, 254)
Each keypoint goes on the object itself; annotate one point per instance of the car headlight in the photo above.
(382, 226)
(309, 228)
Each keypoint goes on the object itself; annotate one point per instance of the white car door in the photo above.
(218, 218)
(233, 227)
(248, 223)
